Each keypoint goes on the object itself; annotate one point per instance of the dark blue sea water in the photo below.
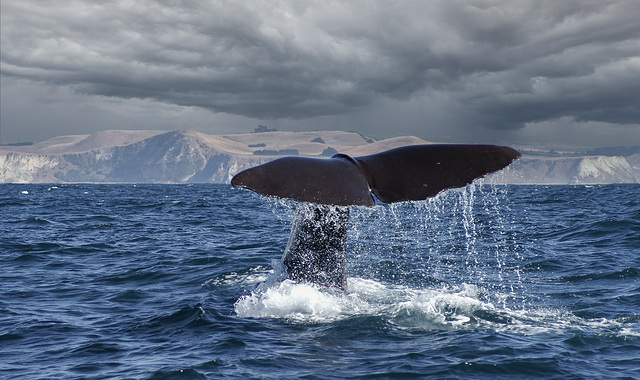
(183, 281)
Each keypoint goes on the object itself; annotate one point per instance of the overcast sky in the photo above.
(504, 71)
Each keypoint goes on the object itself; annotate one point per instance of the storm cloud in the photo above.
(491, 65)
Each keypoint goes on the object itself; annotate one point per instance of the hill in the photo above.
(188, 156)
(166, 157)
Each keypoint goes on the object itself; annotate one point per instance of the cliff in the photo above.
(164, 157)
(571, 170)
(188, 157)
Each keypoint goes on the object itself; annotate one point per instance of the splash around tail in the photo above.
(316, 249)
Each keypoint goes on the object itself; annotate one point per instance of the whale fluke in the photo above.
(417, 172)
(335, 181)
(408, 173)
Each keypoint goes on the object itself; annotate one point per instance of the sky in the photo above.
(558, 73)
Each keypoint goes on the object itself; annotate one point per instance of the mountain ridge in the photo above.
(186, 156)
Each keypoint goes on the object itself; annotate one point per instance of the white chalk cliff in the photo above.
(190, 157)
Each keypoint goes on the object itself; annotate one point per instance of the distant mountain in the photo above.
(161, 157)
(571, 170)
(190, 157)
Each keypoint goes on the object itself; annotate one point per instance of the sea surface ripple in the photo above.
(184, 281)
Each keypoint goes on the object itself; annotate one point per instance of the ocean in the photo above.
(185, 282)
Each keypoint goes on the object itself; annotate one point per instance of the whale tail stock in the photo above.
(316, 249)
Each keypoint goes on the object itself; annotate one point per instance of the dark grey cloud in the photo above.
(492, 65)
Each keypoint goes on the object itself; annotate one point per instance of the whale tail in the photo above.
(316, 249)
(408, 173)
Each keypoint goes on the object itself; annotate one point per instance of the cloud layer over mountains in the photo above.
(492, 65)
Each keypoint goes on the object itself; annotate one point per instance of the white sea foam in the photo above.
(291, 301)
(403, 305)
(407, 308)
